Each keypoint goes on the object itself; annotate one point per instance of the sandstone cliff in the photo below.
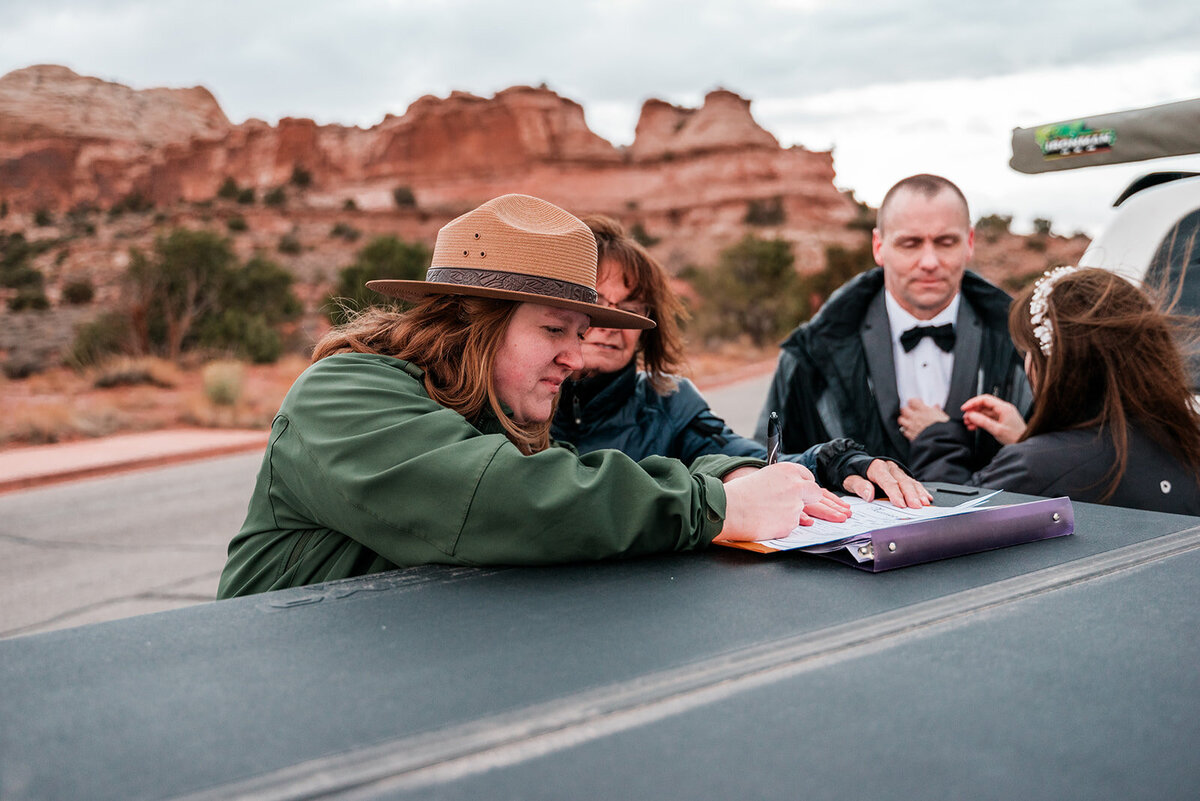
(689, 178)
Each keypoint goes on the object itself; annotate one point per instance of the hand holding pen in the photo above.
(773, 438)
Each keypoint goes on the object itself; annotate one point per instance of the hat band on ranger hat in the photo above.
(513, 282)
(517, 248)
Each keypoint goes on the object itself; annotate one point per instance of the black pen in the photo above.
(773, 438)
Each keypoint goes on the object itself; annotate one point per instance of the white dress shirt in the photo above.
(924, 372)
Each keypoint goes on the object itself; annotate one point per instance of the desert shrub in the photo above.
(30, 285)
(638, 232)
(345, 231)
(132, 372)
(752, 291)
(78, 293)
(1042, 226)
(276, 197)
(301, 178)
(383, 257)
(404, 197)
(1036, 244)
(349, 205)
(864, 216)
(99, 339)
(3, 209)
(246, 335)
(255, 300)
(172, 292)
(765, 212)
(246, 196)
(290, 244)
(841, 264)
(229, 190)
(223, 381)
(992, 226)
(135, 201)
(42, 217)
(237, 224)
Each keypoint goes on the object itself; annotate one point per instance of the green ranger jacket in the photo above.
(365, 472)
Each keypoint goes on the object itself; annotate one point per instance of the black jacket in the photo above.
(825, 387)
(1074, 463)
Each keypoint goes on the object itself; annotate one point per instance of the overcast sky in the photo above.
(893, 87)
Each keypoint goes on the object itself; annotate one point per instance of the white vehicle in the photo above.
(1154, 238)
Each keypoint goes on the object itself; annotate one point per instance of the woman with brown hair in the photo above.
(1113, 418)
(650, 411)
(423, 436)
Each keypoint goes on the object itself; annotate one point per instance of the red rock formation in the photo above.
(689, 178)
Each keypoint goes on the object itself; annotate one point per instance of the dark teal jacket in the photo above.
(629, 415)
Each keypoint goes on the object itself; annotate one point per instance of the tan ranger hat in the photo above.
(519, 248)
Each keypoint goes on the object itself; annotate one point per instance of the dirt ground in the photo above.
(63, 405)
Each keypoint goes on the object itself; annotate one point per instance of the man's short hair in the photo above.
(922, 184)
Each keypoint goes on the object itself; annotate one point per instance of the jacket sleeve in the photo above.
(943, 452)
(415, 482)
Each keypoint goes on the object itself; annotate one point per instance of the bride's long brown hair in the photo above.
(454, 339)
(1114, 359)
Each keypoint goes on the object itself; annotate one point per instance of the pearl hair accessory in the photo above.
(1043, 329)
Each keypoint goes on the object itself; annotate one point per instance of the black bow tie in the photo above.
(942, 336)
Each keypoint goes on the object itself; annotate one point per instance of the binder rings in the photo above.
(981, 529)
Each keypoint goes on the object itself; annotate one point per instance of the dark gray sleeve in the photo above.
(942, 452)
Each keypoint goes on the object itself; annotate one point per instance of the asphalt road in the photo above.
(106, 548)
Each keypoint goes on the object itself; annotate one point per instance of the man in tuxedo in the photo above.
(904, 345)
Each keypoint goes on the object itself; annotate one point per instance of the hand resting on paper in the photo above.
(766, 503)
(900, 488)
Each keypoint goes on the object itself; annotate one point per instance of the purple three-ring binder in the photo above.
(978, 530)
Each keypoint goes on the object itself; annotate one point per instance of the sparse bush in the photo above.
(765, 212)
(134, 372)
(638, 232)
(345, 231)
(290, 244)
(229, 190)
(95, 341)
(301, 178)
(751, 291)
(404, 197)
(42, 218)
(27, 280)
(841, 264)
(383, 257)
(1042, 226)
(1035, 244)
(237, 224)
(3, 209)
(223, 381)
(255, 300)
(78, 293)
(276, 197)
(993, 226)
(135, 201)
(864, 216)
(349, 205)
(246, 196)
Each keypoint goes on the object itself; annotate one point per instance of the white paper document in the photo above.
(865, 518)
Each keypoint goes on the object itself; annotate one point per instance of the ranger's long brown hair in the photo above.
(454, 339)
(1114, 359)
(661, 347)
